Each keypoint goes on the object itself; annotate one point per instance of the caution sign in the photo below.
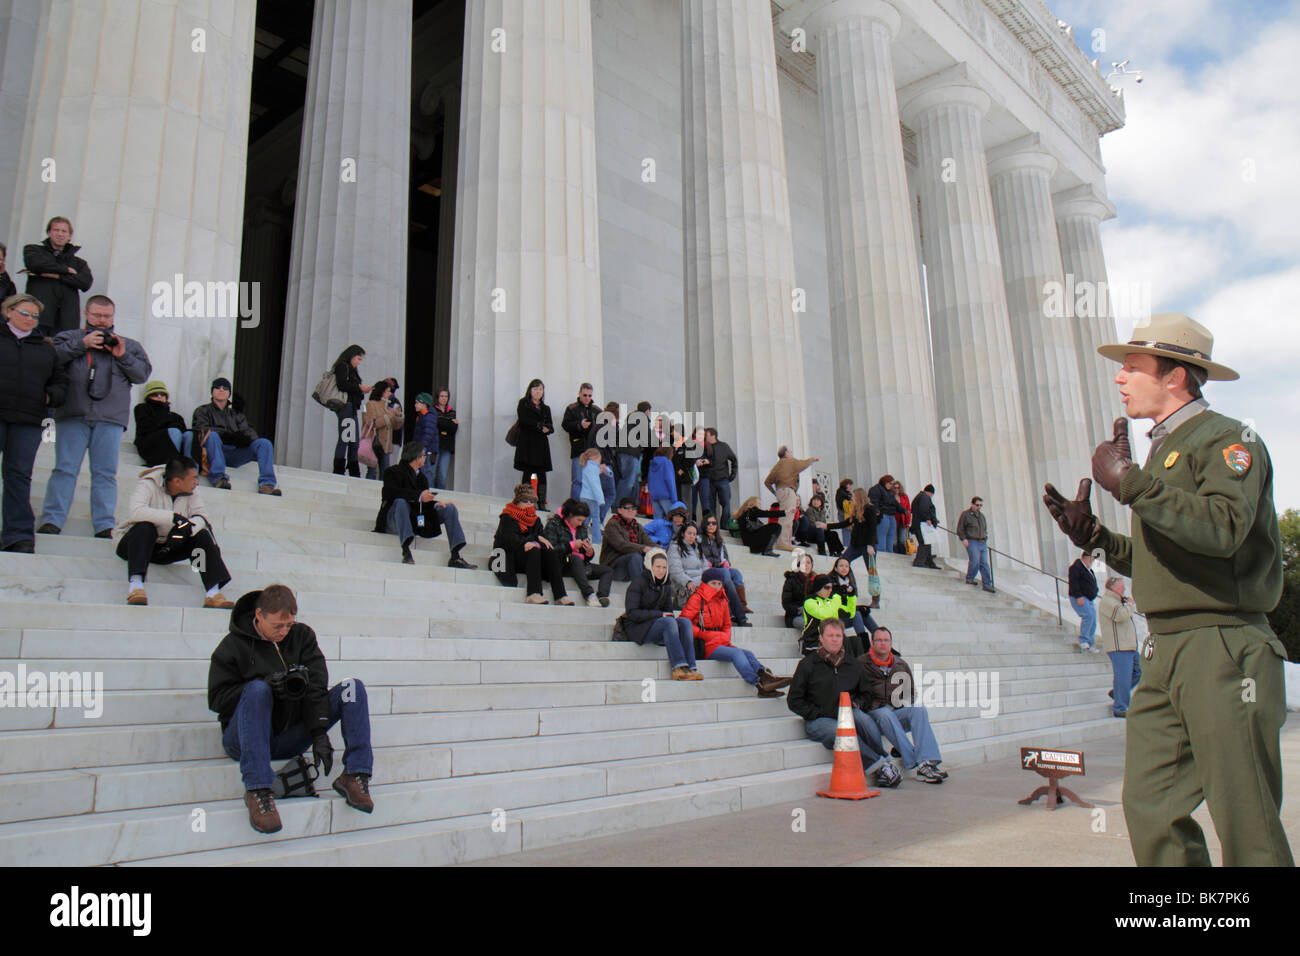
(1059, 761)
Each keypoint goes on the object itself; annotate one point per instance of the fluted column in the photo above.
(743, 366)
(347, 270)
(139, 135)
(975, 366)
(22, 35)
(442, 319)
(1079, 214)
(527, 262)
(1051, 401)
(880, 350)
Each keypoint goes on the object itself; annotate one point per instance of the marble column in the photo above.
(139, 135)
(1051, 401)
(880, 350)
(22, 33)
(449, 98)
(1079, 214)
(527, 261)
(982, 435)
(347, 268)
(742, 348)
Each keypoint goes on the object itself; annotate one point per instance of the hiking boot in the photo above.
(926, 773)
(693, 674)
(137, 598)
(265, 490)
(48, 528)
(355, 789)
(770, 681)
(991, 589)
(681, 673)
(218, 601)
(887, 776)
(593, 601)
(768, 692)
(407, 557)
(262, 815)
(535, 599)
(222, 483)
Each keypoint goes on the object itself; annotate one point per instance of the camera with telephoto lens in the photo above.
(290, 684)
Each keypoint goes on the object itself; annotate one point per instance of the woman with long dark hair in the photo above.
(349, 383)
(533, 448)
(447, 426)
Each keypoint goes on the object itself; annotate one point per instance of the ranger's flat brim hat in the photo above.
(1173, 336)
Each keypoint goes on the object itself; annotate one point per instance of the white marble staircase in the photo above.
(498, 726)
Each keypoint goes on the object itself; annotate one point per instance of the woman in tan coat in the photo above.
(384, 420)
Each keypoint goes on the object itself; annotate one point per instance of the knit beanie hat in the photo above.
(424, 398)
(221, 383)
(819, 582)
(713, 574)
(154, 386)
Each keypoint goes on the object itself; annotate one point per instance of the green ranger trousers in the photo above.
(1203, 725)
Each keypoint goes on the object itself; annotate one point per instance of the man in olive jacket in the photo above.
(264, 718)
(1205, 556)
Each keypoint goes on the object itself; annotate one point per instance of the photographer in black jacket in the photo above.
(267, 683)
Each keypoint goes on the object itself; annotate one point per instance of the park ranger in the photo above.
(1205, 557)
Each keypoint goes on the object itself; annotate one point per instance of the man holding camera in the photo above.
(268, 685)
(167, 523)
(102, 366)
(229, 440)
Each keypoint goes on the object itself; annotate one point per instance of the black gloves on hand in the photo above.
(1075, 517)
(322, 752)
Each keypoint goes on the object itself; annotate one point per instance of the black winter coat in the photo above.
(883, 500)
(31, 377)
(580, 439)
(722, 465)
(7, 287)
(923, 510)
(533, 449)
(61, 297)
(754, 527)
(1083, 582)
(227, 422)
(244, 655)
(862, 533)
(152, 419)
(404, 483)
(511, 540)
(349, 382)
(646, 602)
(817, 685)
(446, 429)
(793, 593)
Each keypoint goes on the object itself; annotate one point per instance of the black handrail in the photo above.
(992, 550)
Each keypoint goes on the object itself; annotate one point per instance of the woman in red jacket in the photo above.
(710, 617)
(904, 517)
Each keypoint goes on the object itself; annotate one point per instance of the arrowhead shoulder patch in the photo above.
(1173, 457)
(1237, 458)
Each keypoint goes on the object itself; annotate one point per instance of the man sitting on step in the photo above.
(166, 523)
(820, 678)
(230, 441)
(269, 686)
(624, 543)
(407, 508)
(890, 704)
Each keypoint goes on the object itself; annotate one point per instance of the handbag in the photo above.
(328, 393)
(366, 453)
(873, 578)
(911, 544)
(620, 631)
(644, 507)
(512, 435)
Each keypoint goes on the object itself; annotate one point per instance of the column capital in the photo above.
(1084, 200)
(951, 86)
(814, 16)
(1026, 152)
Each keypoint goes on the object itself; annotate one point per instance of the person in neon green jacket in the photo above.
(817, 607)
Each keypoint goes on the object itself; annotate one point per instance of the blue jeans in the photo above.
(627, 566)
(678, 638)
(872, 748)
(1127, 669)
(221, 455)
(398, 522)
(894, 722)
(886, 534)
(745, 663)
(348, 449)
(1087, 620)
(181, 441)
(720, 501)
(700, 496)
(606, 489)
(860, 626)
(382, 462)
(852, 553)
(662, 506)
(72, 437)
(730, 582)
(249, 739)
(441, 470)
(978, 560)
(428, 470)
(629, 482)
(596, 509)
(575, 478)
(18, 444)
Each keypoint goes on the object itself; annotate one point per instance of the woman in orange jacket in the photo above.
(710, 618)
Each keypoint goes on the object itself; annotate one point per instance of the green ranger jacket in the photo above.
(1206, 550)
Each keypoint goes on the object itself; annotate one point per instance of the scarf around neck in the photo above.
(835, 660)
(523, 517)
(888, 662)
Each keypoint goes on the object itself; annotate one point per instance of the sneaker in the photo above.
(593, 601)
(888, 776)
(1095, 649)
(939, 770)
(218, 600)
(565, 601)
(48, 528)
(927, 774)
(137, 598)
(1083, 648)
(741, 624)
(222, 483)
(458, 562)
(535, 599)
(262, 815)
(106, 533)
(355, 789)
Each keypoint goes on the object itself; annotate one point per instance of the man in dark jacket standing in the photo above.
(232, 441)
(580, 424)
(1083, 594)
(57, 277)
(721, 470)
(890, 703)
(31, 378)
(923, 513)
(814, 695)
(269, 686)
(102, 366)
(408, 508)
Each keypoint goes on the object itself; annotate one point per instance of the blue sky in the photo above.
(1205, 178)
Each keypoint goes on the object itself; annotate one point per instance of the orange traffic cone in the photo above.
(848, 782)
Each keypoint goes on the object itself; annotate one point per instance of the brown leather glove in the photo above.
(1075, 517)
(1112, 459)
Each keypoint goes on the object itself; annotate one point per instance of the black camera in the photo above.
(109, 340)
(290, 684)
